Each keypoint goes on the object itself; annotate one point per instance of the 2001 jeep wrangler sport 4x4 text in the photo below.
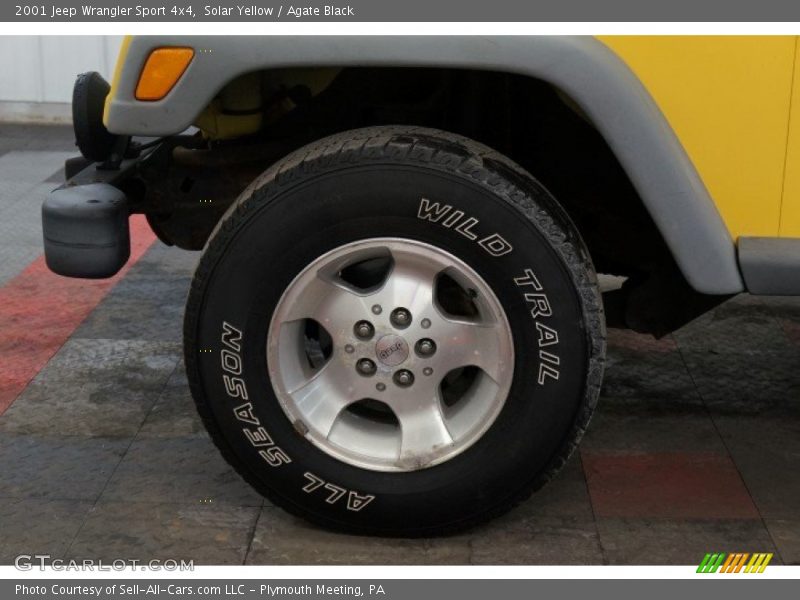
(395, 327)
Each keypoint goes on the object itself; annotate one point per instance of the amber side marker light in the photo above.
(162, 71)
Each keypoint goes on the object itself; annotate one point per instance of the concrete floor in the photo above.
(695, 446)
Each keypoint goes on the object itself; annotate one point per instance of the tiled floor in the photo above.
(695, 446)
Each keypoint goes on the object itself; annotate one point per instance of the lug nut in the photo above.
(364, 330)
(403, 378)
(366, 367)
(426, 347)
(401, 318)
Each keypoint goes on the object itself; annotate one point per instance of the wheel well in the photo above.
(528, 120)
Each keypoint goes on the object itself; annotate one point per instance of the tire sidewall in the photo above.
(277, 235)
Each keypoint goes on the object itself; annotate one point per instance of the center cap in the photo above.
(391, 350)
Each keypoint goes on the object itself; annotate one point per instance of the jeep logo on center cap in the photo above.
(391, 350)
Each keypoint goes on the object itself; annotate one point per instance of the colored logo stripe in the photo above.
(758, 563)
(735, 562)
(711, 563)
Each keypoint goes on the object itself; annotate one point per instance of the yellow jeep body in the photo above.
(705, 128)
(729, 99)
(734, 103)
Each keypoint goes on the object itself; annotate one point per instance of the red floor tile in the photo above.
(39, 311)
(678, 485)
(792, 329)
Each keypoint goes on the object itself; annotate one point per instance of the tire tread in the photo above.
(433, 149)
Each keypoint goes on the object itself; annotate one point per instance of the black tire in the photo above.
(368, 183)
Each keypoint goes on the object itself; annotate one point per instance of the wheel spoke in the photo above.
(424, 433)
(333, 306)
(473, 344)
(410, 283)
(321, 399)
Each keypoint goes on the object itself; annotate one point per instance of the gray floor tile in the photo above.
(171, 260)
(565, 496)
(57, 468)
(43, 527)
(283, 539)
(786, 535)
(148, 305)
(20, 168)
(88, 408)
(141, 365)
(787, 307)
(22, 218)
(756, 382)
(545, 540)
(14, 260)
(37, 138)
(21, 195)
(742, 324)
(652, 426)
(93, 388)
(639, 366)
(665, 542)
(174, 414)
(766, 452)
(182, 470)
(206, 534)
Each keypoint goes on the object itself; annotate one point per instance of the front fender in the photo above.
(582, 67)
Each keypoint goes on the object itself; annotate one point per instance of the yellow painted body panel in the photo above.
(790, 216)
(727, 99)
(123, 53)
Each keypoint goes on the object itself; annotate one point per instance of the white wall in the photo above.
(36, 71)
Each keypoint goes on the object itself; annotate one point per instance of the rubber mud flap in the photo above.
(86, 231)
(88, 102)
